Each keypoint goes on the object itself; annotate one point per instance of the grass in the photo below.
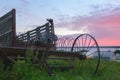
(25, 70)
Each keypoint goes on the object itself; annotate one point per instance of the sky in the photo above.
(100, 18)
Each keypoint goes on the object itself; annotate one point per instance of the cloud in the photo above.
(24, 1)
(104, 25)
(32, 21)
(108, 42)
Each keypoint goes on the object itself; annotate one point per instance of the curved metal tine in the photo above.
(63, 44)
(71, 42)
(59, 45)
(68, 43)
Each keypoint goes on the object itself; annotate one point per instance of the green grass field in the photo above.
(83, 70)
(27, 71)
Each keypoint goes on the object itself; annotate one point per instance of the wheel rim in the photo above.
(87, 46)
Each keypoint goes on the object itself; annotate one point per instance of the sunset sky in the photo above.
(100, 18)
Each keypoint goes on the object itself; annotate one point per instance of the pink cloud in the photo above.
(110, 19)
(108, 42)
(105, 26)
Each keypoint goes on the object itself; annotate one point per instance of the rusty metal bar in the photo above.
(15, 51)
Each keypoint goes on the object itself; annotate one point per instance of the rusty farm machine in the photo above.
(46, 45)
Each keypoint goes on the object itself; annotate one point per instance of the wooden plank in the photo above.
(8, 29)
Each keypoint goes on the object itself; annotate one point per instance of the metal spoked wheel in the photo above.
(89, 53)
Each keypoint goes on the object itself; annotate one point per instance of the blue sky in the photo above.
(70, 16)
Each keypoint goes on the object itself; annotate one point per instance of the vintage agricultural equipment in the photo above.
(46, 45)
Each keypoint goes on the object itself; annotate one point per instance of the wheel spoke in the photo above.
(82, 42)
(85, 42)
(91, 47)
(89, 43)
